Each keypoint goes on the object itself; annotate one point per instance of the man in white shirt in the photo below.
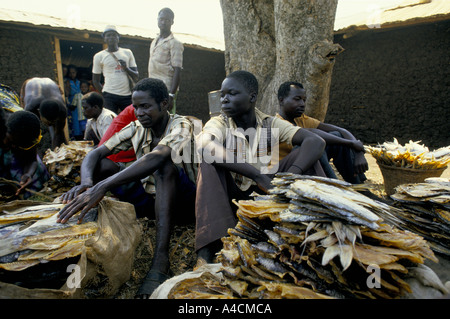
(98, 117)
(118, 67)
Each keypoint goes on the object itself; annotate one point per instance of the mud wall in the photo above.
(24, 55)
(394, 83)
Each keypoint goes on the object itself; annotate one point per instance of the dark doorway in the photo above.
(79, 54)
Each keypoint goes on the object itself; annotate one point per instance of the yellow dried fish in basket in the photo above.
(411, 155)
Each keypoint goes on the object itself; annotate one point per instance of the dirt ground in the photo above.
(183, 257)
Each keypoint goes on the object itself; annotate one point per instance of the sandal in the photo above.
(151, 282)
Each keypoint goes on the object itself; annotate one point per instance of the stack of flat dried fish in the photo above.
(426, 211)
(64, 164)
(30, 235)
(411, 155)
(315, 238)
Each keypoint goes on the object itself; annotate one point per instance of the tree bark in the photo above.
(283, 40)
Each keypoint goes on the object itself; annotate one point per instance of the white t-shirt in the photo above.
(116, 80)
(101, 124)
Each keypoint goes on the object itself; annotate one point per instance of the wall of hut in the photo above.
(394, 83)
(24, 55)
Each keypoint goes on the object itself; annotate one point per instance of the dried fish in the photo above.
(289, 291)
(13, 217)
(266, 248)
(27, 243)
(316, 238)
(411, 155)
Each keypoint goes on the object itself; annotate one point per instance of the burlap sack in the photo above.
(110, 253)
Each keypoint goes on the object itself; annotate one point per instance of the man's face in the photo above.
(147, 111)
(89, 111)
(165, 21)
(111, 38)
(235, 98)
(294, 104)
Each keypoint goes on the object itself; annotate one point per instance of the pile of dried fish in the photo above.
(426, 211)
(314, 238)
(30, 235)
(64, 164)
(411, 155)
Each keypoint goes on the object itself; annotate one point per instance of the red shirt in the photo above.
(119, 122)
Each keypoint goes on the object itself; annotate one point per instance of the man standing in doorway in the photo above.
(166, 56)
(118, 67)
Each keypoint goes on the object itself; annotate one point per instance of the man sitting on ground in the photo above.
(99, 118)
(237, 150)
(19, 137)
(162, 142)
(346, 151)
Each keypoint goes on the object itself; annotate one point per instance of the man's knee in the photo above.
(105, 168)
(336, 133)
(166, 171)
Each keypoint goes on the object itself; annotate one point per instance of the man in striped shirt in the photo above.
(166, 56)
(164, 147)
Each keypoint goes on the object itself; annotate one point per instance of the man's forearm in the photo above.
(141, 168)
(96, 82)
(175, 80)
(331, 138)
(133, 72)
(312, 148)
(219, 156)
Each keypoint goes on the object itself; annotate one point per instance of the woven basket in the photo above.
(394, 176)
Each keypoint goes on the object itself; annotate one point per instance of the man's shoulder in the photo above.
(178, 119)
(266, 119)
(175, 42)
(102, 52)
(220, 119)
(106, 112)
(125, 50)
(306, 121)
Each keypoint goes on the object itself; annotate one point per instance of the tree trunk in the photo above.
(282, 40)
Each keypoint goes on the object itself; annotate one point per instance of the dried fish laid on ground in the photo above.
(411, 155)
(316, 238)
(30, 236)
(64, 164)
(425, 210)
(28, 213)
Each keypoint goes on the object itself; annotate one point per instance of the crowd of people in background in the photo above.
(74, 88)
